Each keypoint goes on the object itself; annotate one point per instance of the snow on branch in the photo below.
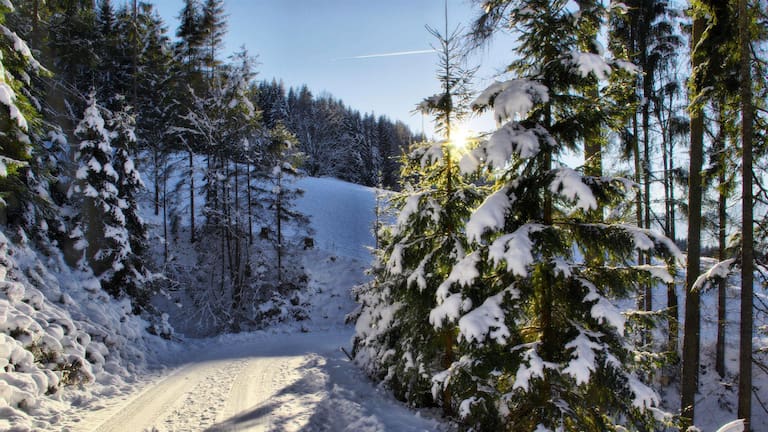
(485, 320)
(511, 140)
(646, 240)
(410, 208)
(721, 270)
(490, 215)
(516, 249)
(657, 271)
(517, 96)
(418, 276)
(645, 397)
(603, 310)
(463, 273)
(532, 366)
(568, 184)
(583, 359)
(514, 139)
(449, 310)
(585, 63)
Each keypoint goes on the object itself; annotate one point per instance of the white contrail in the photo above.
(391, 54)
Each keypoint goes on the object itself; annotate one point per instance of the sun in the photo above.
(460, 137)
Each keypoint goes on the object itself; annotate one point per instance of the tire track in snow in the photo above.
(250, 406)
(152, 407)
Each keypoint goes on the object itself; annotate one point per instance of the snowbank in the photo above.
(63, 340)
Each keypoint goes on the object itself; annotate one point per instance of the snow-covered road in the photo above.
(260, 382)
(293, 377)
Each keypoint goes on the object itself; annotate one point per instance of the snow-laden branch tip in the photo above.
(512, 97)
(463, 273)
(568, 184)
(490, 215)
(512, 139)
(585, 63)
(485, 320)
(721, 270)
(583, 359)
(516, 249)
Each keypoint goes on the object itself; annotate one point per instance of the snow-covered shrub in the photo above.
(58, 328)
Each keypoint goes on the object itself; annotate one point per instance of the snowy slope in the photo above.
(342, 214)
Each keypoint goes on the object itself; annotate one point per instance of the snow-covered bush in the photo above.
(59, 328)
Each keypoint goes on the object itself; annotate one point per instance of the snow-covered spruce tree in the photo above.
(397, 339)
(132, 278)
(99, 208)
(544, 346)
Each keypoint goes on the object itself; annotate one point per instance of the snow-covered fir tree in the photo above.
(132, 278)
(544, 346)
(104, 211)
(399, 339)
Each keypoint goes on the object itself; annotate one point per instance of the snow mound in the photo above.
(59, 329)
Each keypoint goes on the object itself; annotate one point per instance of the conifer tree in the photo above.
(213, 26)
(281, 161)
(132, 277)
(96, 195)
(402, 336)
(541, 336)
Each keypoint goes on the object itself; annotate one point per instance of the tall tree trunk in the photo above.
(691, 337)
(638, 200)
(721, 254)
(673, 325)
(250, 203)
(647, 90)
(156, 160)
(279, 221)
(747, 253)
(135, 55)
(165, 214)
(191, 197)
(672, 299)
(593, 156)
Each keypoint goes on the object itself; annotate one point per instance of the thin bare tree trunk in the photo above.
(721, 255)
(747, 252)
(165, 214)
(191, 197)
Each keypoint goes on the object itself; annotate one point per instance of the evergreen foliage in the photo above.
(19, 119)
(336, 140)
(104, 191)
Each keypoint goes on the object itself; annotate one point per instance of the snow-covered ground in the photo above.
(288, 378)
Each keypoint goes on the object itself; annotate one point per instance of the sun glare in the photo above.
(460, 137)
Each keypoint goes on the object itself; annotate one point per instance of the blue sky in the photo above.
(314, 42)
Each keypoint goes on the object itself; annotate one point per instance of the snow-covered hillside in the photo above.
(63, 341)
(342, 214)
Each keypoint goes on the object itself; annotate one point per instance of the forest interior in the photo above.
(185, 245)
